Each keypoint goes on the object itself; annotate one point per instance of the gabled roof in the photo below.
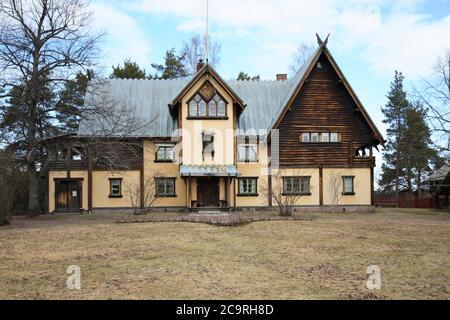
(303, 74)
(207, 69)
(147, 100)
(264, 102)
(439, 175)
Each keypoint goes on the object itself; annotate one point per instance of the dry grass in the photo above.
(324, 258)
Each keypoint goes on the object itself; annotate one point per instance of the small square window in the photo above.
(314, 137)
(325, 137)
(115, 187)
(334, 137)
(164, 153)
(165, 187)
(247, 152)
(348, 188)
(247, 186)
(305, 137)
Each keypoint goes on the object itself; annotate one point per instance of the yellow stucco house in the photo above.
(203, 142)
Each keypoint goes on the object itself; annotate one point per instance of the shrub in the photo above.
(229, 220)
(4, 219)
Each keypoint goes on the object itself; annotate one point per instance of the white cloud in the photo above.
(388, 35)
(409, 43)
(124, 38)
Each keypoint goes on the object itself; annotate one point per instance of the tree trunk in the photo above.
(33, 182)
(397, 164)
(419, 183)
(33, 193)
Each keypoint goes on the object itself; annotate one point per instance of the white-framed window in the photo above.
(214, 108)
(348, 185)
(316, 137)
(202, 108)
(305, 137)
(248, 152)
(296, 185)
(164, 153)
(221, 108)
(334, 137)
(247, 186)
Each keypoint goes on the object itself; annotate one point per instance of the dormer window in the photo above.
(201, 107)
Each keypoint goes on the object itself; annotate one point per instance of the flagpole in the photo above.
(207, 39)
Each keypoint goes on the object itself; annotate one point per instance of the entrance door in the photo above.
(68, 195)
(208, 192)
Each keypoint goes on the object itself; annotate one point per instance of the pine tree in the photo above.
(130, 70)
(242, 76)
(395, 116)
(418, 155)
(71, 101)
(172, 68)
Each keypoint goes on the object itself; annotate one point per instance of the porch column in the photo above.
(321, 184)
(90, 165)
(227, 192)
(188, 192)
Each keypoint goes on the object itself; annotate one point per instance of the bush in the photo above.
(4, 219)
(13, 185)
(228, 220)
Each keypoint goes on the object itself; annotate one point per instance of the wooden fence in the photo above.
(429, 203)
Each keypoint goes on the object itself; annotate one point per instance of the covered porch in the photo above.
(209, 186)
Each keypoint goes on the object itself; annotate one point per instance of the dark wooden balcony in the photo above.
(67, 165)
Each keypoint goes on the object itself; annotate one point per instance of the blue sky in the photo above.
(369, 39)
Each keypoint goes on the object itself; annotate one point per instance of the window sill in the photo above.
(165, 195)
(163, 161)
(348, 193)
(112, 196)
(247, 162)
(296, 194)
(247, 194)
(206, 118)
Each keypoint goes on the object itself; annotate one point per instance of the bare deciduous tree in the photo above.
(108, 136)
(43, 44)
(194, 50)
(300, 57)
(435, 96)
(285, 203)
(134, 193)
(8, 177)
(335, 189)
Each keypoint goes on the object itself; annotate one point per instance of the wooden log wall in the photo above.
(324, 105)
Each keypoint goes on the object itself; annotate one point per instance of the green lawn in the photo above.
(325, 258)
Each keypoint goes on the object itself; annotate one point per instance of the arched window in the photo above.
(193, 106)
(215, 108)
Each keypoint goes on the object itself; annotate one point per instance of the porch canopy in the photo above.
(208, 171)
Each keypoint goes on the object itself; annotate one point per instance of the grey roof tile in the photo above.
(147, 101)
